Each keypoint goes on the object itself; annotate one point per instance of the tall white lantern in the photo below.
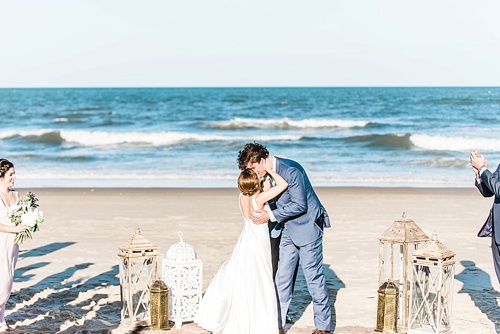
(138, 271)
(431, 289)
(396, 247)
(182, 273)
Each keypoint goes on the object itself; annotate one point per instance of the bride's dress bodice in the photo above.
(249, 221)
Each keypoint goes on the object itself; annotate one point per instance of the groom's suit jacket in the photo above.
(490, 186)
(298, 208)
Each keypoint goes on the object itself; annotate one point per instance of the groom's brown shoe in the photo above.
(282, 331)
(320, 331)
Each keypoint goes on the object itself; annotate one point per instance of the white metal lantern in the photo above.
(431, 288)
(396, 247)
(138, 271)
(182, 273)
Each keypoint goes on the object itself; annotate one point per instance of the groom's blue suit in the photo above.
(489, 186)
(303, 218)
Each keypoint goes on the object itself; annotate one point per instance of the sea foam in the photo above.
(284, 123)
(458, 144)
(101, 138)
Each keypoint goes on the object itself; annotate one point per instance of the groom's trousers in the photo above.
(275, 256)
(311, 261)
(275, 252)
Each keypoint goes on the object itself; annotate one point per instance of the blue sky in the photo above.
(220, 43)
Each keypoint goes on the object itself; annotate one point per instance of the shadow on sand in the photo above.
(44, 250)
(477, 284)
(301, 297)
(59, 299)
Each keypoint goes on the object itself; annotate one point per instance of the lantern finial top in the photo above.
(137, 244)
(181, 251)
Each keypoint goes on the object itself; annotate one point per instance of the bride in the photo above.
(241, 297)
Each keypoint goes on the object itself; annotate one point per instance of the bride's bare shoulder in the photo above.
(244, 198)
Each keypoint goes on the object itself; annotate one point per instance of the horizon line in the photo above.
(241, 87)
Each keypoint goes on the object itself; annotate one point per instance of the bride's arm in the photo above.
(272, 192)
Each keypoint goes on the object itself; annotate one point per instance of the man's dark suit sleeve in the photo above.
(492, 183)
(483, 189)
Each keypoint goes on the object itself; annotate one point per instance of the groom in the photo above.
(489, 186)
(302, 218)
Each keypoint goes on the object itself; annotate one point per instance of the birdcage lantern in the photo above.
(182, 272)
(431, 289)
(396, 246)
(138, 271)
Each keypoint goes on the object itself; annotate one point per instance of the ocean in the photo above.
(190, 137)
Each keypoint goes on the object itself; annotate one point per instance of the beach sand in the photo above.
(67, 276)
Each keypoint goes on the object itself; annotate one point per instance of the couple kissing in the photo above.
(283, 223)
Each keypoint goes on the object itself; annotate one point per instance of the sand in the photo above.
(67, 276)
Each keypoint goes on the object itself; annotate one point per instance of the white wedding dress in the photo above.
(241, 299)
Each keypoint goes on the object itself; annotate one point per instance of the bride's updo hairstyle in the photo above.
(5, 165)
(249, 182)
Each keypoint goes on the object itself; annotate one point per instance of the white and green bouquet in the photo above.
(27, 214)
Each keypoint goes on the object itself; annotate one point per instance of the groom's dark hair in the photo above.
(252, 152)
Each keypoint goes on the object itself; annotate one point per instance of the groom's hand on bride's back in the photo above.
(259, 217)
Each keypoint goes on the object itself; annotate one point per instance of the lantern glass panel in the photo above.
(392, 263)
(395, 266)
(137, 276)
(431, 297)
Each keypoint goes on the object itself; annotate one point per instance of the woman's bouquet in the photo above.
(27, 214)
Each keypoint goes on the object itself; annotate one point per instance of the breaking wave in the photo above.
(458, 144)
(103, 138)
(428, 142)
(286, 123)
